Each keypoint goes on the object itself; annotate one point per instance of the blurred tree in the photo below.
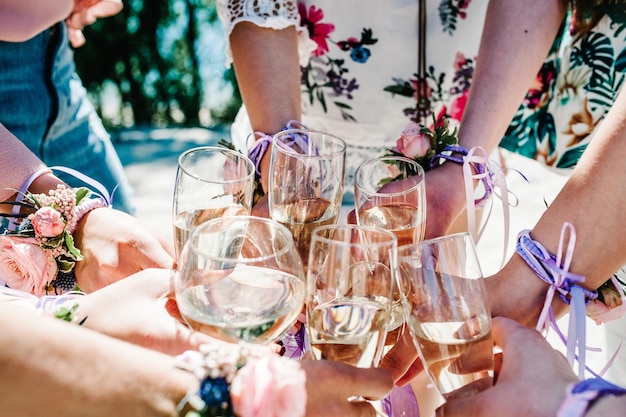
(149, 53)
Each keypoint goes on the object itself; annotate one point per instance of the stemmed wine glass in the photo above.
(448, 314)
(349, 288)
(211, 182)
(240, 279)
(390, 194)
(306, 182)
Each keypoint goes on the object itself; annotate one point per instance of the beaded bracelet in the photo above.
(581, 396)
(243, 381)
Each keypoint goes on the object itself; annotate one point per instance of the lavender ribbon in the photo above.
(477, 166)
(295, 344)
(401, 402)
(554, 270)
(263, 141)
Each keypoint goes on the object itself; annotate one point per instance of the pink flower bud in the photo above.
(48, 222)
(412, 143)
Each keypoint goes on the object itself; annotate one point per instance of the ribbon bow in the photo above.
(554, 270)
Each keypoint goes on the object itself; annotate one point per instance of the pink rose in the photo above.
(25, 266)
(412, 143)
(271, 386)
(47, 222)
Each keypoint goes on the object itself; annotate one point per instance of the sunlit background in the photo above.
(159, 63)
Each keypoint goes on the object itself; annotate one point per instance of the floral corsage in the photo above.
(39, 257)
(242, 381)
(427, 145)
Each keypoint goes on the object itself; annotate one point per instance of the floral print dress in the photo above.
(573, 91)
(359, 64)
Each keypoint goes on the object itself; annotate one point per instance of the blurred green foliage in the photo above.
(148, 60)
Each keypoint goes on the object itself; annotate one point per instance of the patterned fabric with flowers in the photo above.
(39, 257)
(359, 80)
(573, 91)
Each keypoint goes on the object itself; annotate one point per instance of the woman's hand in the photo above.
(137, 310)
(329, 385)
(115, 245)
(531, 381)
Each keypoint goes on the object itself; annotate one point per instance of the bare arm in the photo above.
(20, 20)
(17, 164)
(268, 74)
(515, 41)
(593, 200)
(51, 367)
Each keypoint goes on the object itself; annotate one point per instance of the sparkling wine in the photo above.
(186, 221)
(250, 304)
(301, 217)
(402, 219)
(350, 330)
(458, 354)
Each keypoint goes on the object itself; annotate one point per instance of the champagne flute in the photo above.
(349, 289)
(211, 182)
(306, 182)
(448, 314)
(390, 194)
(240, 279)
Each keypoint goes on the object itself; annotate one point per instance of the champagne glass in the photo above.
(448, 314)
(390, 194)
(349, 288)
(348, 292)
(240, 279)
(306, 182)
(211, 182)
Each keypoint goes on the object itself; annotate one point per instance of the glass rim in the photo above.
(287, 150)
(392, 237)
(245, 158)
(283, 229)
(420, 183)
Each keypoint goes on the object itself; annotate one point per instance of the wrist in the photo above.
(591, 397)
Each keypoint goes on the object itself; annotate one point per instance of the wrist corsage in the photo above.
(39, 257)
(428, 145)
(243, 381)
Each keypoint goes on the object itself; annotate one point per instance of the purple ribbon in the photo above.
(477, 166)
(554, 270)
(263, 141)
(401, 402)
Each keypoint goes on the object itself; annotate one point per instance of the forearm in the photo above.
(17, 164)
(268, 75)
(593, 201)
(516, 39)
(50, 367)
(20, 20)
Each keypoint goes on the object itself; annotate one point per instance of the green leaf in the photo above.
(81, 193)
(72, 250)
